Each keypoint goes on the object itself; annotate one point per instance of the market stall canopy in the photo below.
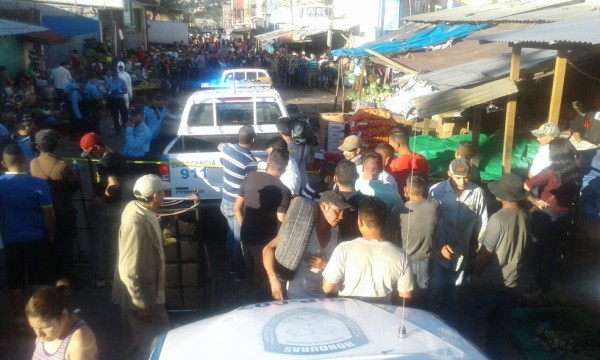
(484, 70)
(298, 34)
(555, 13)
(458, 99)
(71, 25)
(437, 35)
(275, 35)
(9, 28)
(486, 13)
(428, 61)
(406, 31)
(442, 90)
(580, 31)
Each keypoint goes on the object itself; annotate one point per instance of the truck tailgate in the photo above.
(195, 164)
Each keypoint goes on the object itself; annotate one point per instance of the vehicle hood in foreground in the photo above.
(334, 328)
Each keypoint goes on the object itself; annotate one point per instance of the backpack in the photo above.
(302, 133)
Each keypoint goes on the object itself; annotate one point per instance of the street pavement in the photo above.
(577, 284)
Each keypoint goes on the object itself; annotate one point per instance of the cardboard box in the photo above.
(190, 297)
(332, 146)
(189, 276)
(189, 252)
(173, 298)
(335, 136)
(336, 127)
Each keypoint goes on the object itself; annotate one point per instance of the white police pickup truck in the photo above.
(192, 161)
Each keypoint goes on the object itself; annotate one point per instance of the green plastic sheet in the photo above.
(440, 152)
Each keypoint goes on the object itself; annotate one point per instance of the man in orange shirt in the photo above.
(407, 161)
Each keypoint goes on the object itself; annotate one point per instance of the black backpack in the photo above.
(302, 133)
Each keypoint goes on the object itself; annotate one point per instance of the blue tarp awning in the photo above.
(430, 37)
(9, 28)
(71, 25)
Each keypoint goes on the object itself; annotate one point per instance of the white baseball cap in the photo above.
(148, 185)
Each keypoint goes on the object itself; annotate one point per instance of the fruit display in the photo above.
(373, 125)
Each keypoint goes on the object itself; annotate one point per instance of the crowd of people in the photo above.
(82, 86)
(377, 231)
(304, 71)
(380, 233)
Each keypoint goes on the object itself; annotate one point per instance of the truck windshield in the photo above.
(243, 75)
(234, 113)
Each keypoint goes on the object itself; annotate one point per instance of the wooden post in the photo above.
(426, 125)
(391, 63)
(558, 83)
(337, 86)
(511, 112)
(363, 73)
(477, 110)
(343, 89)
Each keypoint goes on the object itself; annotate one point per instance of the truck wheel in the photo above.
(294, 235)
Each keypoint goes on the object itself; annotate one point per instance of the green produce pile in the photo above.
(440, 152)
(373, 94)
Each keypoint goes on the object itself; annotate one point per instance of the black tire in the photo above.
(294, 235)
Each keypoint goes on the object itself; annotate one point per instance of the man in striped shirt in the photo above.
(237, 161)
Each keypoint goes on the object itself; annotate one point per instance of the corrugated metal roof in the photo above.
(487, 13)
(405, 32)
(457, 54)
(554, 14)
(8, 28)
(460, 99)
(273, 35)
(581, 30)
(484, 70)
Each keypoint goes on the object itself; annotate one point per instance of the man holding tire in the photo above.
(322, 227)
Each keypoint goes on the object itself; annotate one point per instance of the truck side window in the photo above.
(201, 115)
(235, 114)
(267, 113)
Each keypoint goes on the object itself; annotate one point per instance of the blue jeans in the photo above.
(103, 230)
(235, 260)
(549, 229)
(443, 292)
(421, 270)
(486, 318)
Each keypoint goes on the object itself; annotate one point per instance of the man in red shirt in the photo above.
(407, 161)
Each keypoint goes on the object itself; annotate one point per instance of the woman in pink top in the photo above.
(61, 335)
(557, 188)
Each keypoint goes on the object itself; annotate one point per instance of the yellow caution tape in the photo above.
(139, 162)
(176, 164)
